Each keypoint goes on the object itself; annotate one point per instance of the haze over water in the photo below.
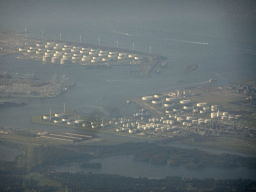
(208, 33)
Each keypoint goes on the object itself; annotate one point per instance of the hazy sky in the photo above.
(16, 14)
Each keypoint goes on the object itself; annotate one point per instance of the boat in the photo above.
(191, 67)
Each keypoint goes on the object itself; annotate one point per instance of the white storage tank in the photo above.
(22, 50)
(86, 59)
(103, 54)
(201, 104)
(194, 122)
(159, 96)
(106, 59)
(224, 117)
(147, 98)
(55, 59)
(66, 49)
(156, 102)
(207, 121)
(132, 55)
(184, 101)
(31, 50)
(187, 107)
(64, 61)
(47, 58)
(138, 57)
(189, 118)
(170, 99)
(59, 44)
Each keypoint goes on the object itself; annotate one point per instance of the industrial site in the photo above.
(65, 53)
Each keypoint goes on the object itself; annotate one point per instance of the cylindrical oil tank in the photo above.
(55, 59)
(169, 104)
(46, 117)
(48, 54)
(224, 117)
(77, 47)
(156, 101)
(170, 99)
(147, 98)
(74, 51)
(112, 53)
(66, 57)
(158, 96)
(123, 54)
(95, 60)
(57, 48)
(84, 52)
(189, 118)
(59, 114)
(93, 52)
(31, 50)
(76, 58)
(206, 108)
(59, 44)
(57, 121)
(121, 57)
(132, 55)
(194, 122)
(46, 58)
(106, 59)
(103, 54)
(201, 104)
(225, 113)
(187, 107)
(184, 101)
(138, 57)
(207, 121)
(112, 56)
(40, 45)
(50, 43)
(66, 49)
(39, 52)
(64, 61)
(71, 123)
(86, 59)
(213, 115)
(168, 111)
(22, 50)
(65, 119)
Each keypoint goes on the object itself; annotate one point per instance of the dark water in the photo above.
(126, 166)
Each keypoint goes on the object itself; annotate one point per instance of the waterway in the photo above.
(126, 166)
(218, 59)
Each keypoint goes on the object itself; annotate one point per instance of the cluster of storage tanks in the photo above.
(175, 110)
(64, 54)
(62, 118)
